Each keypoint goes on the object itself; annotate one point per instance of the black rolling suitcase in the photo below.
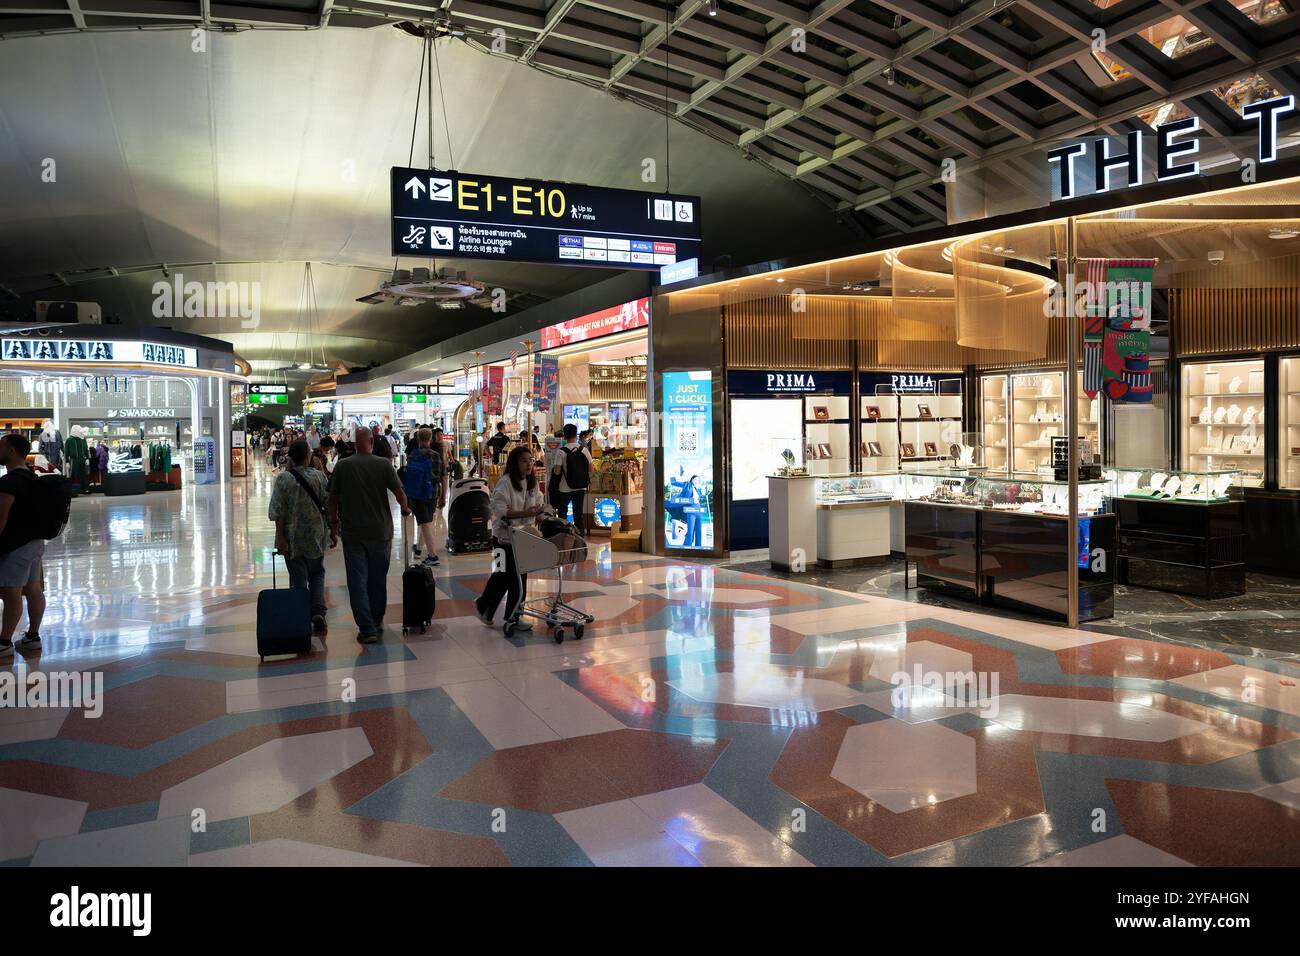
(418, 593)
(283, 619)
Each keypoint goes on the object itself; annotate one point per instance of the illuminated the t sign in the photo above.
(1170, 149)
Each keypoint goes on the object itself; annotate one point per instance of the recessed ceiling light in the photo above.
(1280, 233)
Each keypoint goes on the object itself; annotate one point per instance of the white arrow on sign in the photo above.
(414, 184)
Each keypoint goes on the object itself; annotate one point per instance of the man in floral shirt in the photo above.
(302, 532)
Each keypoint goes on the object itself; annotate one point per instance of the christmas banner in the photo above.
(1126, 348)
(1094, 325)
(493, 387)
(546, 382)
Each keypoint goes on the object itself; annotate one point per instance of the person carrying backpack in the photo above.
(32, 511)
(302, 527)
(572, 469)
(422, 481)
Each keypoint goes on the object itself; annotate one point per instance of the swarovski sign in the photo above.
(141, 413)
(1173, 152)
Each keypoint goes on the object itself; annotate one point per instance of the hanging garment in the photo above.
(77, 452)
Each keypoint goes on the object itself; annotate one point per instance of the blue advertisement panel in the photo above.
(688, 460)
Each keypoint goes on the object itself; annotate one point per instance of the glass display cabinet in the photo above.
(1153, 484)
(1004, 539)
(850, 489)
(854, 518)
(1288, 442)
(1026, 494)
(1023, 412)
(879, 433)
(1181, 531)
(1223, 414)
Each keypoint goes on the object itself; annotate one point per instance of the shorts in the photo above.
(422, 508)
(22, 566)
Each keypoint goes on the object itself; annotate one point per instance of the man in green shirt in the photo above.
(302, 531)
(361, 515)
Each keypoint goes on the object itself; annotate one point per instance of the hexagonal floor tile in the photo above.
(1090, 718)
(905, 766)
(765, 687)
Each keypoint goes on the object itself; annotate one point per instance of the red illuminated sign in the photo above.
(620, 318)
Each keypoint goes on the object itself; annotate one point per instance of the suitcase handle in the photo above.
(286, 567)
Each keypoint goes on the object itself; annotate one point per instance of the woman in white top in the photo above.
(516, 502)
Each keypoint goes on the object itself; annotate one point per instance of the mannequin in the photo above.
(77, 453)
(51, 444)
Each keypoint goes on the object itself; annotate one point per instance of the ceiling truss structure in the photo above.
(863, 102)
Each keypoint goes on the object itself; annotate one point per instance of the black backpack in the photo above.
(577, 473)
(51, 505)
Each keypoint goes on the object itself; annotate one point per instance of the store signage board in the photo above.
(679, 271)
(910, 383)
(788, 382)
(688, 460)
(459, 215)
(618, 318)
(141, 413)
(97, 352)
(1174, 151)
(410, 394)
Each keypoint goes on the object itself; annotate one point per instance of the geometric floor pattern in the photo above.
(709, 717)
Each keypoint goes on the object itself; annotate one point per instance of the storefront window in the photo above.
(1289, 423)
(1222, 418)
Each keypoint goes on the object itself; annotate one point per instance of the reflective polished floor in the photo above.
(709, 717)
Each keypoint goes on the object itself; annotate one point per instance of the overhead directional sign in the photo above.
(471, 216)
(268, 395)
(410, 394)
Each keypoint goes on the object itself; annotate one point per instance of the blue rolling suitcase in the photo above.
(283, 619)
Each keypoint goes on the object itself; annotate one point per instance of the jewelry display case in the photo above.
(879, 433)
(1026, 494)
(1023, 412)
(826, 434)
(1153, 484)
(853, 489)
(855, 518)
(1003, 539)
(1223, 418)
(1288, 439)
(1180, 531)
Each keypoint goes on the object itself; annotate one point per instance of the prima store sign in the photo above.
(95, 352)
(1174, 150)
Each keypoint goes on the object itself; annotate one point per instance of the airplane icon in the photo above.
(440, 190)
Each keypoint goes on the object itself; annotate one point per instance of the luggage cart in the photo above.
(535, 553)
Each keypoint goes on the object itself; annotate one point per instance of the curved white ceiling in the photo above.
(273, 147)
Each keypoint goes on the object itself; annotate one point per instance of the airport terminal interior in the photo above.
(878, 422)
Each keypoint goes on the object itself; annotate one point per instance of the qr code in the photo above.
(688, 439)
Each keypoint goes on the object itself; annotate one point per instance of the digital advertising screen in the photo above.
(688, 460)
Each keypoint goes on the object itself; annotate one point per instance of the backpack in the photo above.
(418, 480)
(577, 472)
(51, 505)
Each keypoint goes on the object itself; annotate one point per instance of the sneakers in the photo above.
(415, 552)
(317, 623)
(6, 650)
(521, 625)
(483, 616)
(28, 640)
(367, 638)
(430, 561)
